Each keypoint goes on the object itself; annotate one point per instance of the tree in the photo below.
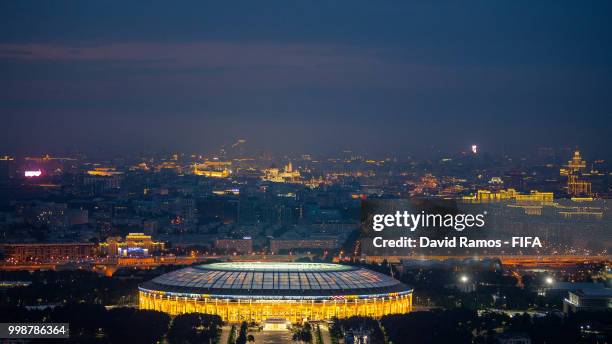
(194, 328)
(335, 331)
(358, 322)
(242, 335)
(453, 326)
(304, 334)
(85, 320)
(128, 325)
(231, 339)
(318, 335)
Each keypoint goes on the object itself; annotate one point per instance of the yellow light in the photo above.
(293, 310)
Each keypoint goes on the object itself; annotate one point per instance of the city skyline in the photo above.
(246, 149)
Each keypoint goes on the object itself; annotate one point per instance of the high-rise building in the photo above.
(574, 171)
(6, 167)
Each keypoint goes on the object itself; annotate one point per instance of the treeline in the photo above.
(75, 286)
(462, 325)
(90, 323)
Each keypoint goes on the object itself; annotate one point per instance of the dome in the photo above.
(272, 280)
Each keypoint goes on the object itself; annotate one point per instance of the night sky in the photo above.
(305, 76)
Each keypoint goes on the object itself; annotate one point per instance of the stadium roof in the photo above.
(286, 280)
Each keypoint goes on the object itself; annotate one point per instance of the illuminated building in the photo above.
(103, 178)
(581, 208)
(496, 181)
(168, 166)
(577, 187)
(486, 196)
(287, 175)
(134, 245)
(46, 252)
(104, 172)
(276, 324)
(143, 241)
(140, 167)
(588, 300)
(537, 203)
(255, 291)
(232, 191)
(576, 164)
(574, 170)
(15, 284)
(213, 169)
(426, 182)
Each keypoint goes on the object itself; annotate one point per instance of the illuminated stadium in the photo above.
(253, 291)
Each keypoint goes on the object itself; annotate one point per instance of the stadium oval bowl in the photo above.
(255, 291)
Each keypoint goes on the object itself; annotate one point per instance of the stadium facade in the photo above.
(255, 291)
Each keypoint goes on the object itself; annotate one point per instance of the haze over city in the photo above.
(412, 78)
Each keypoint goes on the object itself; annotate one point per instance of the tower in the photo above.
(574, 170)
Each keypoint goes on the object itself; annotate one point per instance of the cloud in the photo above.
(213, 54)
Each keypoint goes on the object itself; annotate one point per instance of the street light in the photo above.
(549, 280)
(464, 279)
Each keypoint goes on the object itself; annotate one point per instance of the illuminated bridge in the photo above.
(253, 291)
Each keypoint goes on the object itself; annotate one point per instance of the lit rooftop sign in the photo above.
(30, 174)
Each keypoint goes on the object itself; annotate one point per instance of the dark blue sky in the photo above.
(306, 76)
